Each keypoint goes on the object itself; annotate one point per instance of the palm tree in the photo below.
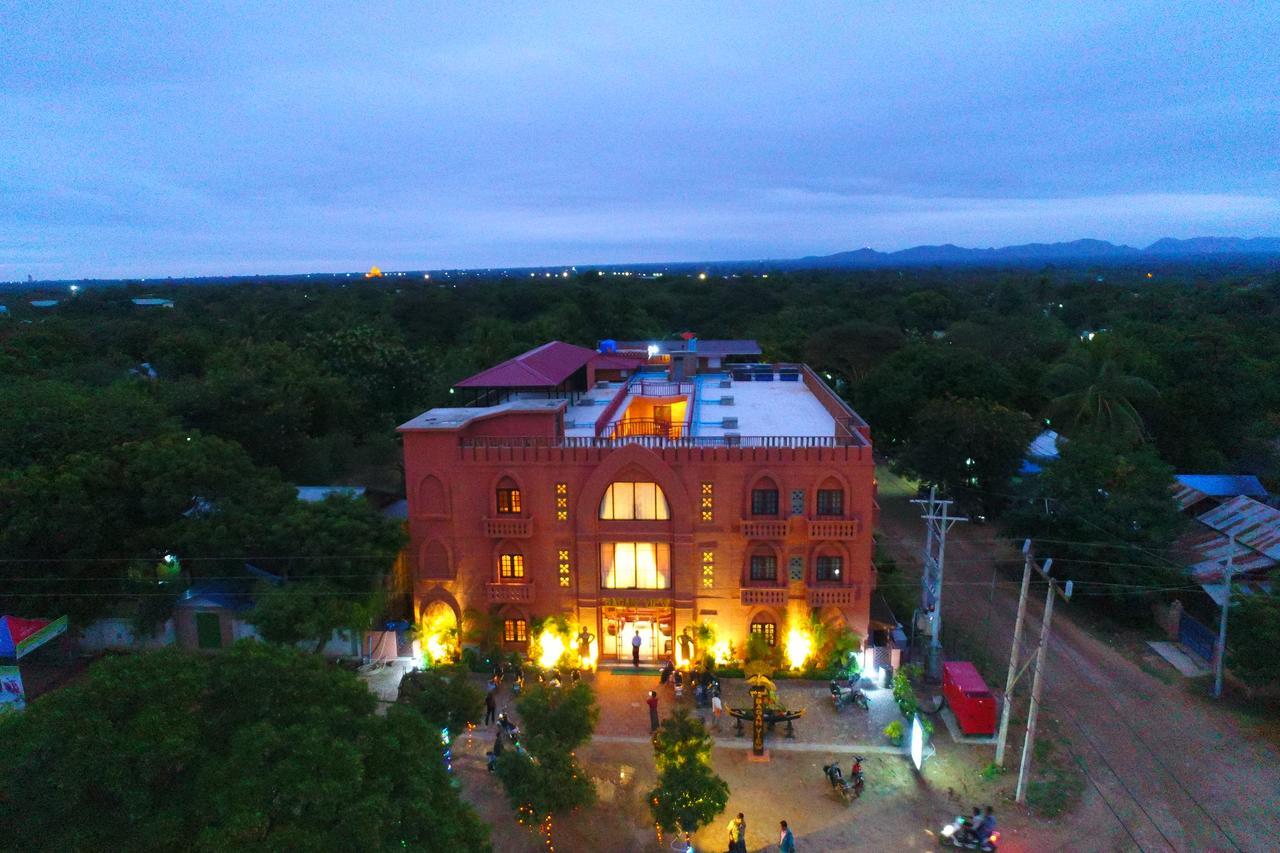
(1093, 391)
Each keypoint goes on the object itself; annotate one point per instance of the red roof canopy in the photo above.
(542, 367)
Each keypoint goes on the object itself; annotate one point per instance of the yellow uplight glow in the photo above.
(799, 647)
(552, 646)
(722, 651)
(437, 648)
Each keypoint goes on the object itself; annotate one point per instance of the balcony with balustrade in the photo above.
(508, 593)
(510, 527)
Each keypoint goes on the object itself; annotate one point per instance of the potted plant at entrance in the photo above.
(893, 732)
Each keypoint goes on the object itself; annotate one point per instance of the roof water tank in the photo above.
(609, 346)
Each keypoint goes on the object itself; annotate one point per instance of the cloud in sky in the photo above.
(141, 139)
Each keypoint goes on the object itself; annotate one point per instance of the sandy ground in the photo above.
(1164, 769)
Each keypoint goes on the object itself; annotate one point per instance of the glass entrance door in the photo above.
(620, 625)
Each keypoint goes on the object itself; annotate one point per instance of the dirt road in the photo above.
(1164, 770)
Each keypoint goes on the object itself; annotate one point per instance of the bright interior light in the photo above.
(799, 647)
(917, 742)
(652, 350)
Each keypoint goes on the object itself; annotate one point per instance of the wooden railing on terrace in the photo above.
(658, 441)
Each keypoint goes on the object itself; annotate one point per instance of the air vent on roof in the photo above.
(732, 438)
(729, 423)
(726, 383)
(726, 401)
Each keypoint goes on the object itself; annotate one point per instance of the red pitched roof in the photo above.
(542, 367)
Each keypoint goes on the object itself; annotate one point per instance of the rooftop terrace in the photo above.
(678, 394)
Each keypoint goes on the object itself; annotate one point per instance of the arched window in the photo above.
(831, 498)
(511, 567)
(631, 500)
(508, 497)
(762, 565)
(515, 631)
(769, 630)
(829, 563)
(764, 497)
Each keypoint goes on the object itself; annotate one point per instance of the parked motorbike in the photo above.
(846, 694)
(962, 833)
(848, 789)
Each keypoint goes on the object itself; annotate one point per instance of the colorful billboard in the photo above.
(12, 697)
(23, 636)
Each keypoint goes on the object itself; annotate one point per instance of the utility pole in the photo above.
(1029, 744)
(1028, 562)
(1222, 625)
(937, 522)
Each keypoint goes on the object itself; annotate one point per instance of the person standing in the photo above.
(717, 709)
(652, 702)
(490, 709)
(738, 834)
(635, 649)
(787, 841)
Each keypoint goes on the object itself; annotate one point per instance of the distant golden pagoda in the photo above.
(373, 272)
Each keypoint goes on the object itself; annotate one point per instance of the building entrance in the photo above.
(620, 624)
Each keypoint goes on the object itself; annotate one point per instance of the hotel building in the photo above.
(643, 487)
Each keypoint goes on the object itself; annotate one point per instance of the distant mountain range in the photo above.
(1075, 251)
(1253, 251)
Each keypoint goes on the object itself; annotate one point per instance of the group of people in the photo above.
(738, 836)
(706, 691)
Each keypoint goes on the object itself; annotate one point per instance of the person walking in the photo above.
(490, 709)
(652, 702)
(717, 709)
(635, 649)
(787, 841)
(738, 834)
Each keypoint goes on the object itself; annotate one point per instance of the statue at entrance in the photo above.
(686, 645)
(585, 639)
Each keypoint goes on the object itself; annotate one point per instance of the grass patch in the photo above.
(1057, 780)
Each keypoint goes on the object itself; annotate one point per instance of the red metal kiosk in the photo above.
(969, 698)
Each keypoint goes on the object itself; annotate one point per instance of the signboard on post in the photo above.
(12, 697)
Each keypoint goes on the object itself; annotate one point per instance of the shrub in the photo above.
(893, 731)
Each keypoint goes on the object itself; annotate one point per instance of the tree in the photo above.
(1108, 514)
(545, 776)
(331, 554)
(853, 348)
(257, 748)
(444, 697)
(95, 516)
(1254, 638)
(1093, 391)
(969, 447)
(689, 794)
(891, 396)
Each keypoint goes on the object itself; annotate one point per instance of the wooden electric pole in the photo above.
(1037, 685)
(1011, 680)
